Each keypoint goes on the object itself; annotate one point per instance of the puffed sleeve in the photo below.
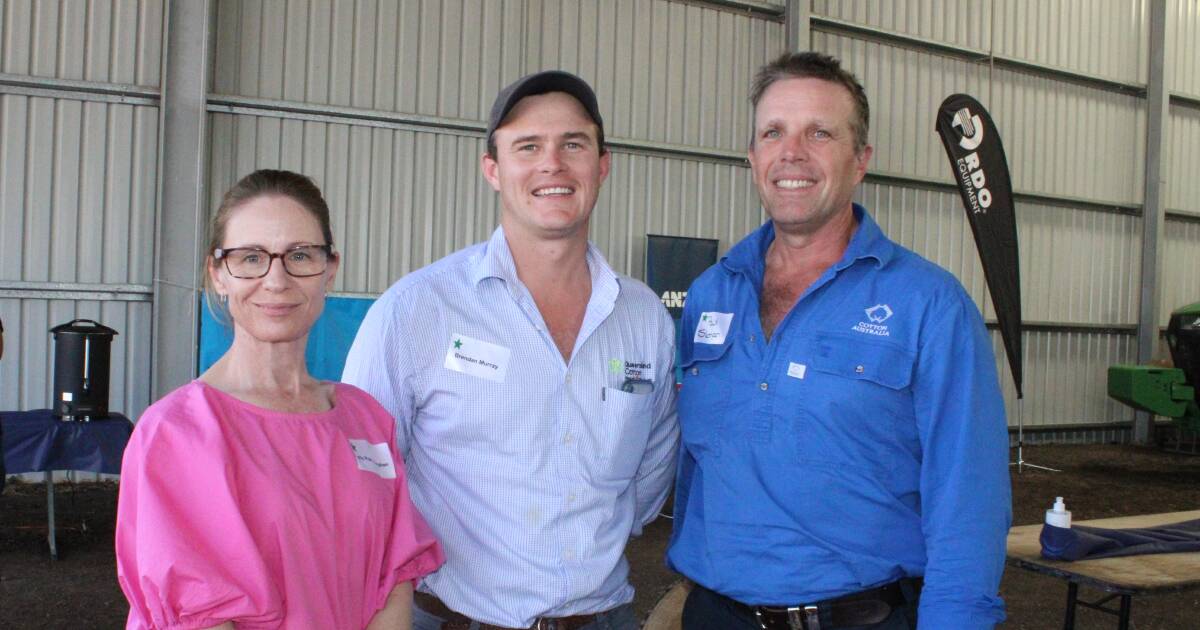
(185, 558)
(412, 550)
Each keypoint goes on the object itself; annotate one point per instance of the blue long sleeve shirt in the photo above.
(865, 442)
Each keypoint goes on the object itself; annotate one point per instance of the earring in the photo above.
(224, 298)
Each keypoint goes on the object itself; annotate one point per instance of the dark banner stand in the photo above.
(672, 263)
(976, 155)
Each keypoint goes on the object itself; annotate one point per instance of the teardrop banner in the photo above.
(977, 157)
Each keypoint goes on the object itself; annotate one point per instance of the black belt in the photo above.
(453, 620)
(856, 609)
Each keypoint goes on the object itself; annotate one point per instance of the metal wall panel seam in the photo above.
(136, 289)
(1184, 100)
(239, 105)
(91, 296)
(84, 87)
(755, 8)
(841, 27)
(1094, 205)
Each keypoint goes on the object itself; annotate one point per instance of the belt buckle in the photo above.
(543, 624)
(804, 618)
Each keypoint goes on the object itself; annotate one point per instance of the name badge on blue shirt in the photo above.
(712, 327)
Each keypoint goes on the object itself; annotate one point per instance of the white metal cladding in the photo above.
(1182, 159)
(117, 41)
(1105, 38)
(1065, 377)
(965, 24)
(1067, 139)
(1183, 46)
(663, 71)
(77, 190)
(1077, 266)
(1180, 282)
(401, 199)
(1060, 138)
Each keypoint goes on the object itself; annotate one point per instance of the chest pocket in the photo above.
(627, 420)
(704, 396)
(864, 360)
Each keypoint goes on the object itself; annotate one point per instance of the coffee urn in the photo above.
(81, 366)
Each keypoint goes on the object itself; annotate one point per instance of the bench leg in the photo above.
(50, 533)
(1126, 604)
(1072, 597)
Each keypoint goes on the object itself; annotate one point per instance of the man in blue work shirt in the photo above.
(843, 432)
(532, 386)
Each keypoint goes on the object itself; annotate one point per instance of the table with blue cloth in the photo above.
(1120, 577)
(37, 441)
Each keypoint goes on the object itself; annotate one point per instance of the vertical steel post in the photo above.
(180, 220)
(1153, 206)
(799, 36)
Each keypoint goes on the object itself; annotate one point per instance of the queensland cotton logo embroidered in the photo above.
(877, 315)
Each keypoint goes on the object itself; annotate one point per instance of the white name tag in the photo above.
(375, 458)
(712, 328)
(477, 358)
(795, 370)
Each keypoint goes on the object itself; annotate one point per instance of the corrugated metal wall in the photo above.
(405, 186)
(78, 180)
(1181, 232)
(1061, 80)
(382, 101)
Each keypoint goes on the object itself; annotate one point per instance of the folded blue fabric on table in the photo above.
(1088, 543)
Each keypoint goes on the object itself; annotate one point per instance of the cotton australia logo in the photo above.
(969, 172)
(876, 315)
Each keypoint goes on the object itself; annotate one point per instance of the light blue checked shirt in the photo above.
(533, 472)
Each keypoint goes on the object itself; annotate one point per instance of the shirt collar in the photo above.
(495, 261)
(868, 241)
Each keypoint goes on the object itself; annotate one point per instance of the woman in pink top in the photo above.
(257, 496)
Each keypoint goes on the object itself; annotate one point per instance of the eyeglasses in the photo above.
(253, 262)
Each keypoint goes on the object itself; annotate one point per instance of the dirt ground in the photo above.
(80, 589)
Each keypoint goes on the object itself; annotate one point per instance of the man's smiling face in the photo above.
(804, 159)
(548, 167)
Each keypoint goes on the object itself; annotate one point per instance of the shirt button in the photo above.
(568, 378)
(695, 371)
(763, 386)
(568, 438)
(571, 497)
(751, 338)
(859, 369)
(569, 554)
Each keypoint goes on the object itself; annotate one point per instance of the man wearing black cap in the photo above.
(531, 385)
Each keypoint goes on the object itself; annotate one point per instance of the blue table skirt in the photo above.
(36, 441)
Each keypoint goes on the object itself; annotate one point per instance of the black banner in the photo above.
(673, 262)
(981, 170)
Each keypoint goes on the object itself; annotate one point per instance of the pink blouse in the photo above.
(232, 512)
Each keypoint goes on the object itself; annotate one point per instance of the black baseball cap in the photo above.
(541, 83)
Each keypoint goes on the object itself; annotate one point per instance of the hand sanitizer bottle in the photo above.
(1058, 516)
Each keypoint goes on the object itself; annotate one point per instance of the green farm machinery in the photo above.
(1166, 391)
